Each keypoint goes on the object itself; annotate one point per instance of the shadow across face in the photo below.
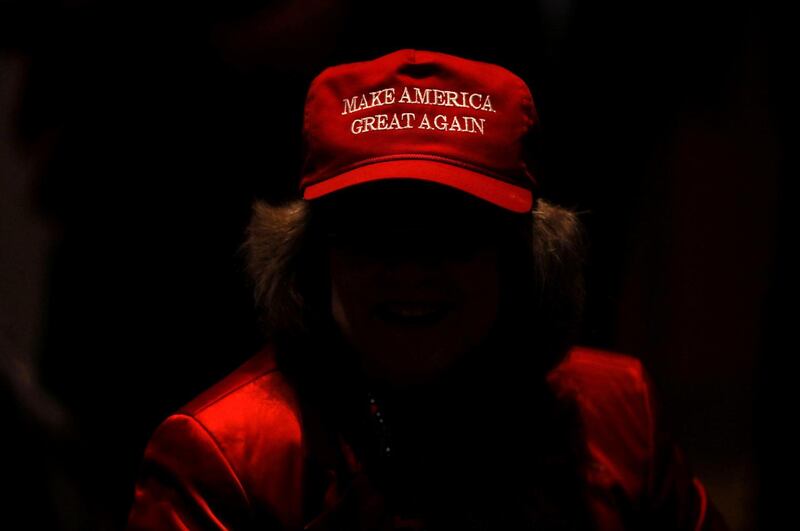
(402, 218)
(415, 280)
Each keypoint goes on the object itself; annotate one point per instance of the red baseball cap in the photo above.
(416, 114)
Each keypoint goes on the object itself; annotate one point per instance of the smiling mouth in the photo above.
(412, 313)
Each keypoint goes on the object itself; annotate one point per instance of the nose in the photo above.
(413, 269)
(424, 248)
(412, 244)
(424, 243)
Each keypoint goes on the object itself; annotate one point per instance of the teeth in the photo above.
(412, 310)
(415, 312)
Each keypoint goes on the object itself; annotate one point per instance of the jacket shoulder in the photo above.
(634, 457)
(254, 418)
(589, 371)
(253, 407)
(583, 362)
(603, 377)
(226, 457)
(611, 390)
(248, 374)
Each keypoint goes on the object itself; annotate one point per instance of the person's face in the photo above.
(414, 275)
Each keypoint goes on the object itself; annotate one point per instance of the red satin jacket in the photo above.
(209, 466)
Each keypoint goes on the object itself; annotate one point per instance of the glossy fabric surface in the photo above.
(239, 456)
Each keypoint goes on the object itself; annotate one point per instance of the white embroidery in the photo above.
(447, 98)
(418, 96)
(376, 99)
(382, 122)
(407, 120)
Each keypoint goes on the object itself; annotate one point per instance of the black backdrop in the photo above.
(136, 135)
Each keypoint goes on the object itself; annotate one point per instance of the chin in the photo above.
(411, 357)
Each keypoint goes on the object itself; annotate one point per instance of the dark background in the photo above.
(135, 135)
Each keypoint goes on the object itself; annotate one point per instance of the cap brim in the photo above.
(500, 193)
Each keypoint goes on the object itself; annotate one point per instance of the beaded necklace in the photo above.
(383, 435)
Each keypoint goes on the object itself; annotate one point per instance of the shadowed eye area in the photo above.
(403, 218)
(439, 241)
